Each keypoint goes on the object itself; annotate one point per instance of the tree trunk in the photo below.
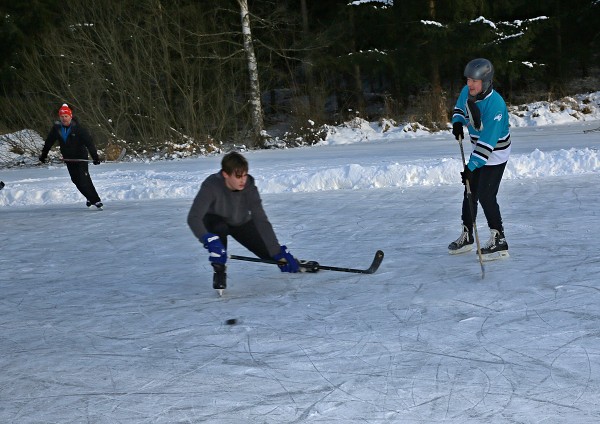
(255, 103)
(558, 78)
(357, 91)
(304, 11)
(307, 62)
(439, 115)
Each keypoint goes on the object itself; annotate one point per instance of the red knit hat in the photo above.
(65, 110)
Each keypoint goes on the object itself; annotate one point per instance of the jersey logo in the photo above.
(498, 117)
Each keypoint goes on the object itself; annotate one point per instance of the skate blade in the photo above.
(466, 248)
(495, 256)
(220, 292)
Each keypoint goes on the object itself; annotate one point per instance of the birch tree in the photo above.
(255, 103)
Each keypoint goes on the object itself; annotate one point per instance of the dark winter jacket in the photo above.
(235, 207)
(76, 146)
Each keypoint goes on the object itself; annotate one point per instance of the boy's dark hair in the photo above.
(234, 162)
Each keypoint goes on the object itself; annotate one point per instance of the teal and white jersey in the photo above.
(491, 145)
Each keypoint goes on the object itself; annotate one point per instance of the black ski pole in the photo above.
(471, 209)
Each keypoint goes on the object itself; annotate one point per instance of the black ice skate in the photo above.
(98, 205)
(462, 244)
(495, 248)
(219, 278)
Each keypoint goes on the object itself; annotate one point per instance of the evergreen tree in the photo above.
(21, 24)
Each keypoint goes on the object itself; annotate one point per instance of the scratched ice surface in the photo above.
(109, 317)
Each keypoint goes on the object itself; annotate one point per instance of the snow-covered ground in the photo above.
(109, 316)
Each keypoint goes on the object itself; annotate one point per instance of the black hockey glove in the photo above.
(466, 175)
(457, 131)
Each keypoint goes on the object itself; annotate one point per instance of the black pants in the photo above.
(81, 178)
(484, 188)
(246, 234)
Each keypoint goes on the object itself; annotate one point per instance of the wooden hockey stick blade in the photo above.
(121, 155)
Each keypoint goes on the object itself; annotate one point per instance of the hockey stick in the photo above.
(119, 158)
(471, 210)
(312, 266)
(88, 160)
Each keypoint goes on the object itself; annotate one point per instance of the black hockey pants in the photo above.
(80, 176)
(485, 183)
(246, 234)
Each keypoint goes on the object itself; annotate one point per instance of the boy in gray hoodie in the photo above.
(228, 203)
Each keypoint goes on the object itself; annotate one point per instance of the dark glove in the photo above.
(42, 159)
(96, 162)
(466, 175)
(286, 262)
(216, 251)
(457, 131)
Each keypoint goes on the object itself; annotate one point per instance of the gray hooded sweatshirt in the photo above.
(235, 207)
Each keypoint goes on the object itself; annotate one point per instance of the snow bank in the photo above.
(183, 183)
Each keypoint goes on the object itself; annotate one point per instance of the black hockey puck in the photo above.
(231, 321)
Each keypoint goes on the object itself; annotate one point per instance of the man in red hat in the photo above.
(75, 143)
